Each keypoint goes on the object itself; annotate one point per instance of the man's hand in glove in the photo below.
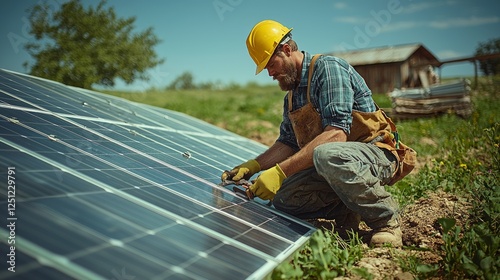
(242, 171)
(268, 183)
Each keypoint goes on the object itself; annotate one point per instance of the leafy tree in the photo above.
(82, 47)
(489, 66)
(184, 81)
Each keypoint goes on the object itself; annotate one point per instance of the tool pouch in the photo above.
(407, 161)
(377, 128)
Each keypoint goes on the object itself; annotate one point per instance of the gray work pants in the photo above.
(347, 177)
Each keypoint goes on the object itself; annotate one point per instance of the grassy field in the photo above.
(456, 155)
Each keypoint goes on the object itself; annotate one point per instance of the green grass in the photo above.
(457, 155)
(326, 256)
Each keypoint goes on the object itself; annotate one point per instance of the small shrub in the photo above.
(325, 256)
(469, 254)
(416, 267)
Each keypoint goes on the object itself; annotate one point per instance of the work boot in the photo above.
(390, 234)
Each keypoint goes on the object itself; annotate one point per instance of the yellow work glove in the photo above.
(268, 183)
(242, 171)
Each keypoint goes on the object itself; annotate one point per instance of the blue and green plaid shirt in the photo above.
(336, 89)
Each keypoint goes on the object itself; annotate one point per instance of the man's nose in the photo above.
(270, 72)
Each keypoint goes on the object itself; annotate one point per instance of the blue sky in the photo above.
(207, 37)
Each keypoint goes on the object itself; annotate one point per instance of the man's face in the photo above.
(282, 68)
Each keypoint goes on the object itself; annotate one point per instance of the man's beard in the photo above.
(288, 80)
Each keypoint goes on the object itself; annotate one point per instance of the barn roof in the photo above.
(386, 54)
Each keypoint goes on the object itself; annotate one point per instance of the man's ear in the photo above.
(286, 49)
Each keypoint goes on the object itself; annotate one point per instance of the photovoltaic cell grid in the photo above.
(110, 189)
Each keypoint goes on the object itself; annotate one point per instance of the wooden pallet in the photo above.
(410, 108)
(432, 101)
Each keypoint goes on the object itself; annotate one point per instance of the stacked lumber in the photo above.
(452, 97)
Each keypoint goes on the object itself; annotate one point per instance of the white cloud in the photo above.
(392, 25)
(402, 25)
(462, 22)
(353, 20)
(417, 7)
(340, 5)
(413, 8)
(441, 24)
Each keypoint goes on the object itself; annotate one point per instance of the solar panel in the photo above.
(97, 187)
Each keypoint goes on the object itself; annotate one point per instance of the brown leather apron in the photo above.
(366, 127)
(306, 121)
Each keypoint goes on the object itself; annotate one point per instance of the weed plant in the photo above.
(326, 256)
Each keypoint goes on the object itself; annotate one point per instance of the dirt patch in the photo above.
(419, 221)
(262, 131)
(422, 236)
(428, 141)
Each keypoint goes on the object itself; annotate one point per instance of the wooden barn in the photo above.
(387, 68)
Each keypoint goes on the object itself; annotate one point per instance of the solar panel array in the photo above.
(97, 187)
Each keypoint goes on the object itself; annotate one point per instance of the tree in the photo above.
(184, 81)
(82, 47)
(489, 66)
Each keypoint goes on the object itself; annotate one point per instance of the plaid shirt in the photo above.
(336, 89)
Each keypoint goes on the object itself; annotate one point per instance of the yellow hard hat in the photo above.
(263, 40)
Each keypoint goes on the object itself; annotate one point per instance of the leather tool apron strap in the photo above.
(306, 121)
